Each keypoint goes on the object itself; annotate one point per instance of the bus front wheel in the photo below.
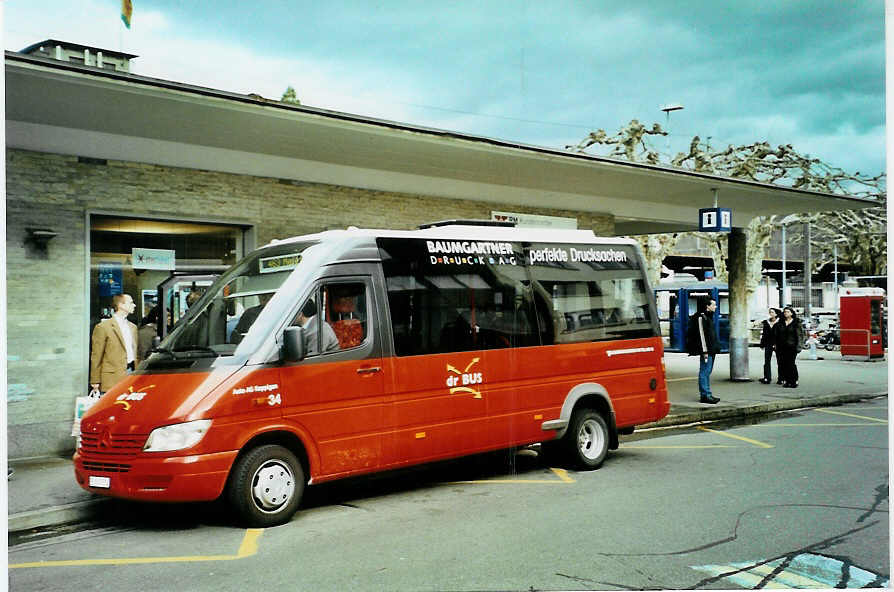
(587, 439)
(266, 486)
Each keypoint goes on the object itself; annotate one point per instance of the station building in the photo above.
(104, 167)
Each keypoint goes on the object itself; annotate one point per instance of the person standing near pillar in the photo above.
(113, 346)
(702, 342)
(768, 344)
(789, 336)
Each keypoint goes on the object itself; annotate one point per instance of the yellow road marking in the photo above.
(249, 544)
(248, 548)
(816, 425)
(561, 473)
(851, 415)
(743, 438)
(681, 446)
(679, 379)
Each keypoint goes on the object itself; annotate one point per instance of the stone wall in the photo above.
(47, 326)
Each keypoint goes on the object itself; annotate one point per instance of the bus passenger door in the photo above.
(336, 393)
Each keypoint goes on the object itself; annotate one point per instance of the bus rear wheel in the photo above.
(587, 439)
(266, 486)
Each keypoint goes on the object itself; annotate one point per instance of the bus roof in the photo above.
(465, 232)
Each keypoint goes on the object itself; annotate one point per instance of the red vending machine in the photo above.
(861, 323)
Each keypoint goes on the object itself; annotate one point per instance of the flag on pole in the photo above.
(126, 12)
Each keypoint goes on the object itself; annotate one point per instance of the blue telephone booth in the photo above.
(677, 301)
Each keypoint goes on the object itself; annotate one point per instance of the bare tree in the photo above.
(859, 234)
(655, 248)
(628, 143)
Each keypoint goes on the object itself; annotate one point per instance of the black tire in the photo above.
(260, 506)
(587, 439)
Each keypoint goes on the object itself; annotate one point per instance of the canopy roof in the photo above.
(65, 108)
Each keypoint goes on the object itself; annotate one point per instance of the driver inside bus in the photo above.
(307, 318)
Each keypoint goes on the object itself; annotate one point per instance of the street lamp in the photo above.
(667, 110)
(784, 222)
(835, 243)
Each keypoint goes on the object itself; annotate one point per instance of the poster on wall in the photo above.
(159, 259)
(110, 279)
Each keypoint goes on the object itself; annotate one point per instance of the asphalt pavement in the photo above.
(43, 492)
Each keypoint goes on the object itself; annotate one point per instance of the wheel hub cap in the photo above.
(589, 439)
(273, 485)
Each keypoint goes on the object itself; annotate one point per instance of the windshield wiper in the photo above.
(197, 349)
(162, 350)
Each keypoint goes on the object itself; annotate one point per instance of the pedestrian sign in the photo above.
(715, 220)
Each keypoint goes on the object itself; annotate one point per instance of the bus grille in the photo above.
(103, 467)
(108, 445)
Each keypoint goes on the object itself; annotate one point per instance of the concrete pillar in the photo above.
(738, 306)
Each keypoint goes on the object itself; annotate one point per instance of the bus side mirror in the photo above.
(293, 344)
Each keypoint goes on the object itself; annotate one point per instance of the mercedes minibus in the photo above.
(353, 351)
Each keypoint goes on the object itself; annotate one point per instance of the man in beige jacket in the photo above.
(113, 346)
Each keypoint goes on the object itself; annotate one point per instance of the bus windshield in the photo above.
(224, 315)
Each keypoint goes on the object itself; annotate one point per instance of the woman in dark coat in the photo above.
(768, 344)
(788, 344)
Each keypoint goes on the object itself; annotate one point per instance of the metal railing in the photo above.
(798, 295)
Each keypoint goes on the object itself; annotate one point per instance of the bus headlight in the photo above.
(177, 436)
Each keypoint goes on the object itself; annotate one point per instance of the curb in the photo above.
(719, 413)
(53, 515)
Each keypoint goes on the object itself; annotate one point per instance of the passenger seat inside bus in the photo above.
(345, 323)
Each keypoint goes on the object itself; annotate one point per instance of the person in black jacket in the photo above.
(788, 343)
(768, 344)
(704, 345)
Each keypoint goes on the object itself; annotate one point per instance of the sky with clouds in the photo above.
(810, 73)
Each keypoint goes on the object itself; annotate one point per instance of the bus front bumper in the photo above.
(193, 478)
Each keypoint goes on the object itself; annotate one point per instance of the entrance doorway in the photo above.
(135, 255)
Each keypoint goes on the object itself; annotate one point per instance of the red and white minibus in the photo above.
(353, 351)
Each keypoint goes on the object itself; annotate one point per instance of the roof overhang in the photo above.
(69, 109)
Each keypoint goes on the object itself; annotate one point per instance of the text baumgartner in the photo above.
(471, 252)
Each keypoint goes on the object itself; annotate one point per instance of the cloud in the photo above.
(806, 73)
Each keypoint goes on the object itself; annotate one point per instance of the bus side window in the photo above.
(598, 300)
(447, 304)
(318, 334)
(543, 310)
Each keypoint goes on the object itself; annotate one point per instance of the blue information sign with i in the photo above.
(715, 220)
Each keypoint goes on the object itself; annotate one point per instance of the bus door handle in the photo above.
(369, 370)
